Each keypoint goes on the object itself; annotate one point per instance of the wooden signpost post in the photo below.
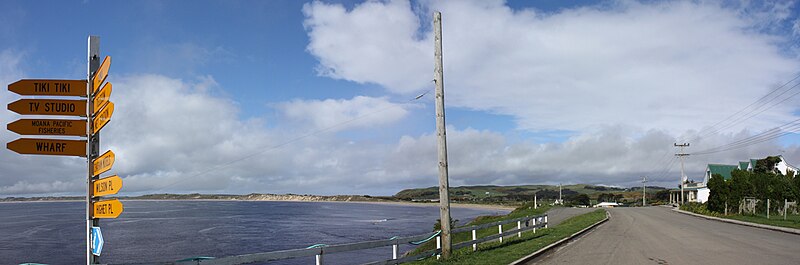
(96, 111)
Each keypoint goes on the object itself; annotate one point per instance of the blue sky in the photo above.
(538, 91)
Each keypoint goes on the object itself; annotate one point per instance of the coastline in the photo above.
(396, 203)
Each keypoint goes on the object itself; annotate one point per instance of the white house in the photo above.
(699, 192)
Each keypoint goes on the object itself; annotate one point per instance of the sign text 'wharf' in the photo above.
(93, 113)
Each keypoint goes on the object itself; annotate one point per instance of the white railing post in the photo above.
(474, 237)
(500, 231)
(319, 259)
(519, 227)
(533, 222)
(545, 221)
(394, 251)
(438, 246)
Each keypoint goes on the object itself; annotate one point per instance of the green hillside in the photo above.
(491, 193)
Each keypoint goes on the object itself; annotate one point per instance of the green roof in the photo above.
(743, 165)
(753, 163)
(724, 170)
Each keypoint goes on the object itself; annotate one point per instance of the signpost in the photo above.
(49, 107)
(107, 186)
(103, 163)
(97, 109)
(106, 209)
(48, 127)
(97, 241)
(101, 98)
(101, 118)
(48, 147)
(44, 87)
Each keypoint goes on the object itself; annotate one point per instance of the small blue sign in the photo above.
(97, 241)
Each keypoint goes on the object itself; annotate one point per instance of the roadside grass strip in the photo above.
(514, 248)
(792, 220)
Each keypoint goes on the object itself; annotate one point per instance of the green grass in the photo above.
(792, 220)
(525, 210)
(515, 248)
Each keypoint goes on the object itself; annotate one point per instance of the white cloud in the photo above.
(360, 111)
(646, 65)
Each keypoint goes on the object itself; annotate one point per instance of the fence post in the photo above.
(394, 251)
(319, 259)
(767, 208)
(500, 231)
(545, 221)
(785, 201)
(438, 246)
(519, 227)
(474, 237)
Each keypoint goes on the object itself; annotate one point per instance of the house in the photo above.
(607, 205)
(699, 192)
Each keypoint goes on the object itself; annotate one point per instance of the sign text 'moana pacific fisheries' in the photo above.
(47, 87)
(48, 127)
(103, 163)
(49, 107)
(102, 117)
(48, 147)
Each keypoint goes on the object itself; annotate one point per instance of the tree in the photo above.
(719, 193)
(662, 195)
(580, 199)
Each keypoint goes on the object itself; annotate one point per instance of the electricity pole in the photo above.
(644, 191)
(681, 154)
(444, 186)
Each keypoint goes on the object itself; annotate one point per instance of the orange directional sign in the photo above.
(49, 107)
(101, 98)
(107, 186)
(46, 87)
(102, 117)
(101, 74)
(107, 209)
(48, 147)
(48, 127)
(103, 163)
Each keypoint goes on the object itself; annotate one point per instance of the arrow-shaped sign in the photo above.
(97, 241)
(101, 98)
(103, 163)
(101, 74)
(45, 87)
(102, 118)
(107, 186)
(107, 209)
(49, 107)
(48, 127)
(48, 147)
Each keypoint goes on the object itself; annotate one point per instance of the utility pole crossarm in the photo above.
(680, 155)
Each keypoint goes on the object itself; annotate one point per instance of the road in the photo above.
(657, 235)
(559, 214)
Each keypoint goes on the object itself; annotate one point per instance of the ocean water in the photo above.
(151, 231)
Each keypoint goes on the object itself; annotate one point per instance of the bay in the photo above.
(150, 231)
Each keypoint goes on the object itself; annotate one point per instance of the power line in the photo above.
(767, 135)
(761, 102)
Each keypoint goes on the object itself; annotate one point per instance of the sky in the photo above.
(320, 97)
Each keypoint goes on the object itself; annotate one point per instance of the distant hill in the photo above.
(490, 193)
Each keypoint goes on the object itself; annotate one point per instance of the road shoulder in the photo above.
(547, 248)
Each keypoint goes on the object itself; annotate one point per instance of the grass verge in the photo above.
(515, 248)
(792, 220)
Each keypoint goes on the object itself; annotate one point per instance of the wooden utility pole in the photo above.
(444, 186)
(683, 175)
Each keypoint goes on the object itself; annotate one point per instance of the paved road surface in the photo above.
(657, 235)
(558, 215)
